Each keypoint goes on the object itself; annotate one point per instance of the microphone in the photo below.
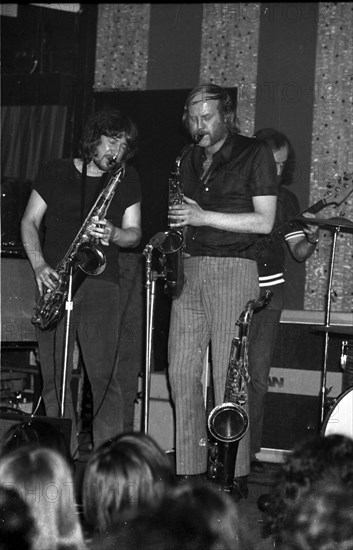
(155, 242)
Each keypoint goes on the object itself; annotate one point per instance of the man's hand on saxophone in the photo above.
(46, 278)
(102, 230)
(186, 213)
(128, 235)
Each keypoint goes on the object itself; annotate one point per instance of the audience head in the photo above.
(189, 517)
(17, 527)
(43, 480)
(34, 433)
(322, 520)
(283, 153)
(125, 474)
(318, 459)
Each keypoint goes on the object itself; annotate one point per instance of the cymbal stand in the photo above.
(69, 308)
(327, 324)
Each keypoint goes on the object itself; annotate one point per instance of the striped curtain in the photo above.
(30, 135)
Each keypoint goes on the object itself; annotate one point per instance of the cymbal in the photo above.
(329, 222)
(338, 329)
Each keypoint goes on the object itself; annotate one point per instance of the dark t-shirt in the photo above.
(59, 183)
(243, 168)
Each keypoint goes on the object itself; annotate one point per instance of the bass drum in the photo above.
(339, 419)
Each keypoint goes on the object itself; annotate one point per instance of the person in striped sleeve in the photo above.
(301, 242)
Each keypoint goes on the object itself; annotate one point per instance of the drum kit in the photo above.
(339, 419)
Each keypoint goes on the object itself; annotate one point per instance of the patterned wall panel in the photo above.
(122, 46)
(332, 154)
(230, 34)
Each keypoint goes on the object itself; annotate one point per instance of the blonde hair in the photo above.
(124, 475)
(43, 479)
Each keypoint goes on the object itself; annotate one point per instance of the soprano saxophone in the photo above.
(229, 421)
(173, 242)
(84, 257)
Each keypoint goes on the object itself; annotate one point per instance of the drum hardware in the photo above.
(339, 419)
(337, 224)
(338, 329)
(340, 222)
(347, 364)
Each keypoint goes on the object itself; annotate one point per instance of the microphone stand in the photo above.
(151, 277)
(69, 308)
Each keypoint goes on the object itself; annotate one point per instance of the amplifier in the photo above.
(18, 301)
(292, 404)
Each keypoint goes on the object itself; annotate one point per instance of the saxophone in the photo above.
(84, 257)
(229, 421)
(173, 242)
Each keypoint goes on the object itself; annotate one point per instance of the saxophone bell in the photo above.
(90, 259)
(228, 422)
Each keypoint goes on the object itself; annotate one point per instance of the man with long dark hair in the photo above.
(62, 197)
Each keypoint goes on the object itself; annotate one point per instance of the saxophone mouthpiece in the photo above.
(198, 137)
(113, 161)
(117, 158)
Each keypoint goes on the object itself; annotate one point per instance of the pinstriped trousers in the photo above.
(215, 293)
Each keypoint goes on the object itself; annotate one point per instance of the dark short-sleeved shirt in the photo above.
(243, 168)
(59, 183)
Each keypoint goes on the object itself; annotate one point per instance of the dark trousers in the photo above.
(94, 322)
(263, 336)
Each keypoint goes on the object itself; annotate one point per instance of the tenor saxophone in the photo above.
(229, 421)
(172, 259)
(84, 257)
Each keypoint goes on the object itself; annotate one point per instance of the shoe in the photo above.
(256, 467)
(240, 488)
(265, 502)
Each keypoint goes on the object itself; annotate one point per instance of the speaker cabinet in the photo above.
(293, 404)
(18, 301)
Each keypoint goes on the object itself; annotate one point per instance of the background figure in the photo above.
(230, 193)
(264, 331)
(323, 458)
(122, 476)
(322, 519)
(43, 480)
(193, 516)
(17, 527)
(62, 197)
